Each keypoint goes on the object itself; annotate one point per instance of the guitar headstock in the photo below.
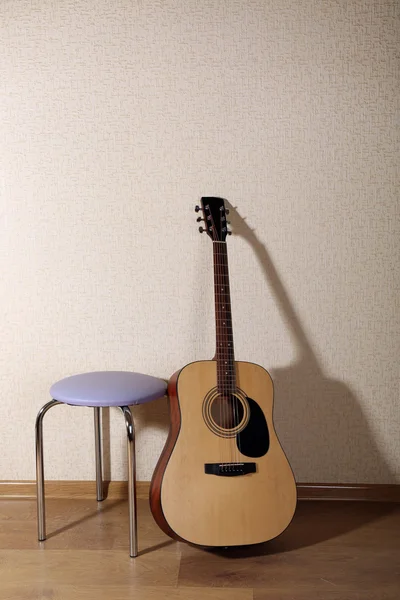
(214, 217)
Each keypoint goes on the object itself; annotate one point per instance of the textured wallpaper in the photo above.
(115, 117)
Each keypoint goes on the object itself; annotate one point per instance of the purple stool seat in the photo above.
(108, 388)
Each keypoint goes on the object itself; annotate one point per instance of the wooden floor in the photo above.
(331, 551)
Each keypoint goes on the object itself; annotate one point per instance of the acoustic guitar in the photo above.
(222, 478)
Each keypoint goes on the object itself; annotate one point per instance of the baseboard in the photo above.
(119, 489)
(349, 491)
(71, 489)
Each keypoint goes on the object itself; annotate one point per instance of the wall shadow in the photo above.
(324, 411)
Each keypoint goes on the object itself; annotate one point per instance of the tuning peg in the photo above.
(197, 208)
(199, 219)
(201, 229)
(229, 232)
(227, 211)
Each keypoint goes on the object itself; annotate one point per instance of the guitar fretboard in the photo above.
(223, 317)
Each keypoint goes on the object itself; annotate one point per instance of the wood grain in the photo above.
(349, 491)
(108, 567)
(331, 551)
(386, 592)
(329, 547)
(18, 591)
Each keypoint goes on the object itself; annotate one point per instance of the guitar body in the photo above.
(225, 506)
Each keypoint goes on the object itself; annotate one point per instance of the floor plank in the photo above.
(79, 524)
(384, 593)
(331, 551)
(82, 567)
(119, 592)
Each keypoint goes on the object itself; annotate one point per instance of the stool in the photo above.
(100, 389)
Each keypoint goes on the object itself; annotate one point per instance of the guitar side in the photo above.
(207, 509)
(158, 473)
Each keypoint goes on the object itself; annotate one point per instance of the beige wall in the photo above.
(115, 118)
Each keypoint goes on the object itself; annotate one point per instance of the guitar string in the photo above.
(217, 279)
(220, 391)
(236, 399)
(226, 357)
(230, 392)
(224, 352)
(226, 361)
(226, 371)
(223, 356)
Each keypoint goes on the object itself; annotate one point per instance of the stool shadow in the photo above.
(156, 547)
(154, 413)
(101, 507)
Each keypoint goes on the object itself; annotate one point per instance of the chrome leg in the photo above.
(99, 466)
(133, 543)
(39, 469)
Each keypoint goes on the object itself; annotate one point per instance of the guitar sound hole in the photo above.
(226, 414)
(227, 411)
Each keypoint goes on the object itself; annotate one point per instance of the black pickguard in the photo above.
(253, 441)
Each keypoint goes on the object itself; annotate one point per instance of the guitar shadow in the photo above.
(315, 522)
(320, 424)
(337, 436)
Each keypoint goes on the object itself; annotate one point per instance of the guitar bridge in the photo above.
(229, 469)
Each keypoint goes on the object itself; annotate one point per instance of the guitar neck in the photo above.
(224, 355)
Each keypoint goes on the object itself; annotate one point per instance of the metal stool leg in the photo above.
(99, 465)
(133, 543)
(40, 470)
